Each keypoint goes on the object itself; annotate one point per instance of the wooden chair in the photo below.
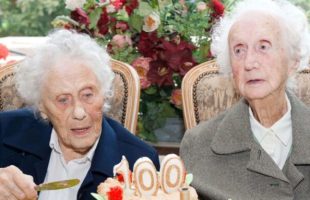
(206, 93)
(124, 104)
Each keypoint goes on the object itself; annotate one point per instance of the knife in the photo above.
(57, 185)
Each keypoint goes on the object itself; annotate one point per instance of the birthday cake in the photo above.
(145, 183)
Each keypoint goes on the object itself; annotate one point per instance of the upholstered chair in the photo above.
(124, 104)
(206, 93)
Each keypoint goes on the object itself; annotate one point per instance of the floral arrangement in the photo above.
(161, 39)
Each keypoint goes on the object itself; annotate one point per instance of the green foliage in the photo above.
(175, 19)
(127, 54)
(305, 5)
(94, 17)
(28, 17)
(156, 116)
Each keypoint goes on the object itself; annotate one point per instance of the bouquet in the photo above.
(161, 39)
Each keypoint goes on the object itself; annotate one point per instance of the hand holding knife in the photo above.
(14, 184)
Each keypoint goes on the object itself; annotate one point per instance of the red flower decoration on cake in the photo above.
(115, 193)
(120, 177)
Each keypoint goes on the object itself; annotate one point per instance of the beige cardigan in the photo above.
(227, 163)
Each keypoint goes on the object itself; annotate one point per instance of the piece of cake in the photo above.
(145, 183)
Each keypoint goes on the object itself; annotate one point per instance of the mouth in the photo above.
(255, 81)
(80, 131)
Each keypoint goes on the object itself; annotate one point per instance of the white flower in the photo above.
(110, 9)
(151, 22)
(201, 6)
(74, 4)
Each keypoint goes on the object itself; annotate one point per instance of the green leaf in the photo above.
(94, 17)
(89, 3)
(151, 90)
(136, 22)
(97, 196)
(189, 179)
(144, 9)
(122, 15)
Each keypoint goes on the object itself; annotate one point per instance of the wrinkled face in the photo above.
(72, 100)
(258, 56)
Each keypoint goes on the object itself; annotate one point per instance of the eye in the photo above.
(63, 99)
(239, 50)
(264, 46)
(87, 95)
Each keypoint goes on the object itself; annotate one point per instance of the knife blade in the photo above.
(57, 185)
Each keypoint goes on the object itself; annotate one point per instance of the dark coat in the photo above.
(24, 142)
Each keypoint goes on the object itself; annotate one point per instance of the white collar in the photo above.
(54, 144)
(279, 128)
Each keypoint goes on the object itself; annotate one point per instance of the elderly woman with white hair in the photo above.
(68, 82)
(259, 148)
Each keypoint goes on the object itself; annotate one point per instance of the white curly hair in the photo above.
(60, 45)
(292, 18)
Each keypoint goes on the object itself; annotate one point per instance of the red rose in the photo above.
(80, 16)
(160, 73)
(179, 56)
(129, 7)
(218, 8)
(103, 22)
(4, 52)
(148, 44)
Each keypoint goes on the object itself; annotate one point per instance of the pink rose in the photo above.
(142, 66)
(144, 82)
(121, 41)
(176, 98)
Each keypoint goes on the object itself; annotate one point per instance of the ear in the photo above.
(292, 68)
(42, 111)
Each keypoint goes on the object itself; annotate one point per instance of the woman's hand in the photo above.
(14, 185)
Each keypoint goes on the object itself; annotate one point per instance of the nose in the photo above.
(251, 61)
(79, 112)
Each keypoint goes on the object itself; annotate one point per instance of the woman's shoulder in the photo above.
(205, 129)
(19, 116)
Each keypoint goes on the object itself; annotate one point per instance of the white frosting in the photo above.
(104, 187)
(147, 184)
